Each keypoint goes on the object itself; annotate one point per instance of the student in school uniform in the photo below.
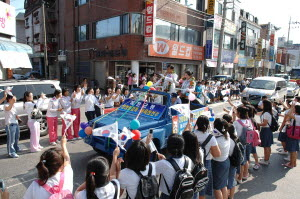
(65, 103)
(90, 102)
(266, 135)
(76, 100)
(109, 101)
(53, 110)
(12, 126)
(33, 124)
(99, 98)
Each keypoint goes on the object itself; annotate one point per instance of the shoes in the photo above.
(245, 178)
(256, 166)
(21, 150)
(282, 152)
(73, 139)
(53, 143)
(14, 155)
(57, 142)
(239, 181)
(40, 147)
(264, 162)
(78, 138)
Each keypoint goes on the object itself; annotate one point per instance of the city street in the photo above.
(274, 181)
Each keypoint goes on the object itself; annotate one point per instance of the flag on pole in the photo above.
(124, 136)
(68, 119)
(183, 109)
(110, 131)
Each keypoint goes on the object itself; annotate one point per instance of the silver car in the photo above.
(36, 87)
(292, 89)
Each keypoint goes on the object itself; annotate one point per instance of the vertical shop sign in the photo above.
(211, 7)
(259, 50)
(150, 21)
(209, 43)
(243, 35)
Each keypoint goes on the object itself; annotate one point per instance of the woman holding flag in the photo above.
(33, 124)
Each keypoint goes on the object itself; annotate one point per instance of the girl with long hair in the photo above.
(65, 103)
(76, 100)
(33, 124)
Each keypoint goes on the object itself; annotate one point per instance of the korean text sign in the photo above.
(173, 49)
(150, 21)
(150, 110)
(7, 19)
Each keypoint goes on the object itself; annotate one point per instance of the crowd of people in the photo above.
(221, 147)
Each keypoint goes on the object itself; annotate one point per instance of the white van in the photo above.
(274, 88)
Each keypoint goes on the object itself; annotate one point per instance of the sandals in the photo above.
(288, 165)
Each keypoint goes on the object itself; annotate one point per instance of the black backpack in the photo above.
(274, 125)
(237, 156)
(183, 182)
(204, 144)
(201, 179)
(148, 186)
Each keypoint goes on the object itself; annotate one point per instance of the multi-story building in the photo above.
(109, 38)
(12, 54)
(229, 54)
(41, 29)
(249, 34)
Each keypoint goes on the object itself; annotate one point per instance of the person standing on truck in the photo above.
(33, 124)
(168, 81)
(54, 108)
(90, 102)
(75, 108)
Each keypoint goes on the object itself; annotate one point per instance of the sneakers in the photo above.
(239, 181)
(264, 162)
(70, 140)
(53, 143)
(57, 142)
(40, 147)
(14, 155)
(282, 152)
(256, 166)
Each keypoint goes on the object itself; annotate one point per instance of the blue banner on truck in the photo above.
(150, 110)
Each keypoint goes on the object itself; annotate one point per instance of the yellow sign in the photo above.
(211, 7)
(259, 50)
(251, 62)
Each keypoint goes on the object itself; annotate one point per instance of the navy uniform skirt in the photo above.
(292, 145)
(282, 137)
(208, 190)
(220, 172)
(266, 136)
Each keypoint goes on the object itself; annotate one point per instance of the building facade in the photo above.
(41, 29)
(106, 38)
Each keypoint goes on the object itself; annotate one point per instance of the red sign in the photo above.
(272, 39)
(173, 49)
(149, 21)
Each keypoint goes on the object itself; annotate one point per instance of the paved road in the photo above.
(269, 182)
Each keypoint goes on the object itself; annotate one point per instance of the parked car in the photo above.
(274, 88)
(36, 87)
(292, 89)
(19, 76)
(35, 74)
(155, 115)
(222, 77)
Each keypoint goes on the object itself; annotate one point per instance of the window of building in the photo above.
(193, 4)
(27, 40)
(27, 22)
(137, 21)
(251, 33)
(109, 27)
(82, 33)
(229, 14)
(125, 24)
(163, 29)
(36, 38)
(36, 17)
(220, 8)
(80, 2)
(227, 42)
(233, 16)
(174, 32)
(250, 51)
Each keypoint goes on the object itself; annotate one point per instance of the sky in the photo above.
(278, 12)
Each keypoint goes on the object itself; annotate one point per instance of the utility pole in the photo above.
(287, 45)
(220, 50)
(45, 42)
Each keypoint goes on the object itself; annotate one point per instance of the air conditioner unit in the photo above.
(53, 40)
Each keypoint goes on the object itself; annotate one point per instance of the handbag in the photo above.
(36, 114)
(293, 131)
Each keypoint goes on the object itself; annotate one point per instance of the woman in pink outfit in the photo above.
(33, 124)
(65, 103)
(54, 108)
(76, 99)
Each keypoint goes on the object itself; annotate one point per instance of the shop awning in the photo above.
(14, 55)
(14, 46)
(11, 59)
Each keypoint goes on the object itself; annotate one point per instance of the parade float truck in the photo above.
(152, 109)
